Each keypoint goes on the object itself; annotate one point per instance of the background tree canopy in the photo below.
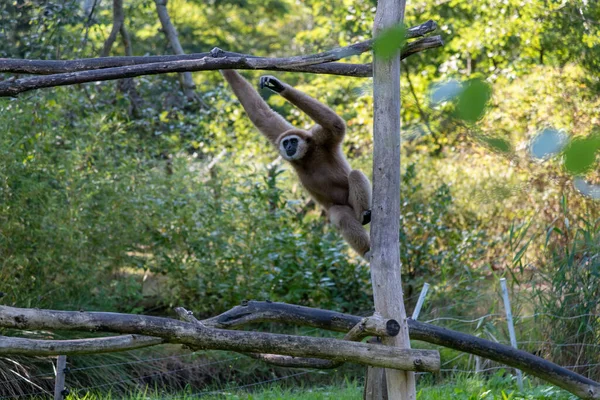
(127, 197)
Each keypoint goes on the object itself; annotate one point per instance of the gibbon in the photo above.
(315, 154)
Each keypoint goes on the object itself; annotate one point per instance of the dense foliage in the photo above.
(136, 200)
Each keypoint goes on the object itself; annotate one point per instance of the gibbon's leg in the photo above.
(359, 196)
(342, 217)
(318, 111)
(262, 116)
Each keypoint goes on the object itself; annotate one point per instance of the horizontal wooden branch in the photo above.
(375, 325)
(200, 337)
(295, 362)
(314, 64)
(39, 347)
(258, 311)
(45, 67)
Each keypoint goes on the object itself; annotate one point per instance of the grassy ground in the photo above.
(462, 388)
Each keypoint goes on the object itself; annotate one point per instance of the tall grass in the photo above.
(567, 294)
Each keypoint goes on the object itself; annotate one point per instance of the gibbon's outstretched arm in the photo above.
(319, 112)
(262, 116)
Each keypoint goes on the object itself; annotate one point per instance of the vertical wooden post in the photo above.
(511, 327)
(385, 225)
(417, 310)
(59, 383)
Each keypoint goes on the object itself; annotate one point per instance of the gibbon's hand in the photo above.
(272, 83)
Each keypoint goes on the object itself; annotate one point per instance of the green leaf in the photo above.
(389, 42)
(498, 144)
(580, 154)
(473, 99)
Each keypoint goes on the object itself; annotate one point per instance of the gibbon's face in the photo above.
(293, 146)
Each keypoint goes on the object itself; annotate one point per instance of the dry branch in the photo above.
(316, 63)
(260, 311)
(199, 337)
(257, 311)
(118, 22)
(46, 67)
(375, 325)
(187, 82)
(38, 347)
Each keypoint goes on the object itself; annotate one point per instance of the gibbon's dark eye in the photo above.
(294, 141)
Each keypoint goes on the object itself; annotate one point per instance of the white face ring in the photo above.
(299, 147)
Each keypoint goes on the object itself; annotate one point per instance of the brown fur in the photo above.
(322, 168)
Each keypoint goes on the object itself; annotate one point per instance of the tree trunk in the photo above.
(187, 82)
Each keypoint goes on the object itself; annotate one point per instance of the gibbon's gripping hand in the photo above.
(366, 217)
(270, 82)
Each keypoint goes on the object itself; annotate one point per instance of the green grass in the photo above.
(497, 387)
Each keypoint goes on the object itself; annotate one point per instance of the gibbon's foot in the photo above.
(367, 255)
(270, 82)
(366, 217)
(217, 53)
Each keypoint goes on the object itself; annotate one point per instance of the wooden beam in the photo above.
(385, 223)
(316, 63)
(262, 311)
(203, 337)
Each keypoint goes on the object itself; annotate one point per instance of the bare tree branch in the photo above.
(127, 85)
(46, 67)
(375, 325)
(118, 20)
(126, 41)
(299, 64)
(187, 82)
(262, 311)
(37, 347)
(193, 335)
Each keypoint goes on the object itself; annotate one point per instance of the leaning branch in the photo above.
(201, 337)
(259, 311)
(38, 347)
(187, 82)
(13, 87)
(118, 22)
(46, 67)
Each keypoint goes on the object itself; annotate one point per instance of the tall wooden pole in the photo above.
(385, 226)
(59, 383)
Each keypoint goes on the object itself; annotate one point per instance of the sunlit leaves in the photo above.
(389, 42)
(580, 154)
(472, 101)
